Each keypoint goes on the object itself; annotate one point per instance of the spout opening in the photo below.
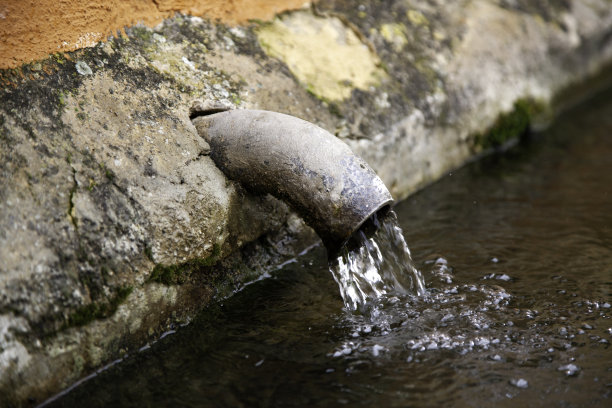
(369, 225)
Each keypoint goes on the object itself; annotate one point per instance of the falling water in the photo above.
(375, 263)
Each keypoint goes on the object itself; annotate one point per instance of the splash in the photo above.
(376, 263)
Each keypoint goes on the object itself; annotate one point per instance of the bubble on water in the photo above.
(569, 369)
(519, 383)
(345, 350)
(447, 318)
(376, 349)
(501, 277)
(442, 271)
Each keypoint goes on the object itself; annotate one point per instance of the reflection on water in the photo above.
(516, 251)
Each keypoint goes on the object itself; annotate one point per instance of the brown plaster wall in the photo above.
(33, 29)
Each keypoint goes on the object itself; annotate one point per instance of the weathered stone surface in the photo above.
(114, 222)
(324, 54)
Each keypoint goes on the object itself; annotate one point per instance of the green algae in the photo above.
(98, 310)
(180, 273)
(511, 125)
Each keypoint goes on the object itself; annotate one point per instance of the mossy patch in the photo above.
(98, 310)
(511, 125)
(180, 273)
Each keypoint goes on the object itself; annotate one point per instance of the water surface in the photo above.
(516, 251)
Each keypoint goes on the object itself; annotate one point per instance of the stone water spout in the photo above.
(334, 190)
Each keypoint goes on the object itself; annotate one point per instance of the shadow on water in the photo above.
(516, 251)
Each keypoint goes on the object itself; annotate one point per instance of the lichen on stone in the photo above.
(82, 68)
(417, 18)
(395, 34)
(325, 55)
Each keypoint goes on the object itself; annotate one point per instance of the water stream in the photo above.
(376, 266)
(516, 254)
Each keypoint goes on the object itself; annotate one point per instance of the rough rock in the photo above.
(115, 225)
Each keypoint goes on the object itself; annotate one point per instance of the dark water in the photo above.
(516, 251)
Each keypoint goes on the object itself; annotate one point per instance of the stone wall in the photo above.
(115, 225)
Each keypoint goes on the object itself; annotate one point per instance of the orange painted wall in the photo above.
(33, 29)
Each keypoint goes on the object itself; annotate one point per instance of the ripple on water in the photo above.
(467, 318)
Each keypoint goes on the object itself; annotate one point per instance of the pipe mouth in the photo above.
(369, 226)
